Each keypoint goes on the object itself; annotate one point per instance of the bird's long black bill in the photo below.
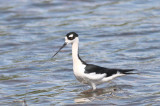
(60, 49)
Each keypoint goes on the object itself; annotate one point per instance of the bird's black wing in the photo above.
(90, 68)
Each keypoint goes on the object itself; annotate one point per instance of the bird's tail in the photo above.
(127, 71)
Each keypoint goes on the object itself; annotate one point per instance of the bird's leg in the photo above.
(93, 86)
(91, 90)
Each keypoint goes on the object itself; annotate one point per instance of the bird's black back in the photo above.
(90, 68)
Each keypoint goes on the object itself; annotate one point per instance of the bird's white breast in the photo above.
(79, 72)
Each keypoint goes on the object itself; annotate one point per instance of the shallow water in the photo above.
(114, 34)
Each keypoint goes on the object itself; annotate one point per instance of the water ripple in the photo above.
(122, 34)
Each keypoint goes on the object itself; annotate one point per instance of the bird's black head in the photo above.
(71, 35)
(70, 38)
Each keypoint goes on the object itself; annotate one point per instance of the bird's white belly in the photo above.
(93, 77)
(79, 74)
(87, 78)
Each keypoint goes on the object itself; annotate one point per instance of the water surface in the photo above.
(113, 33)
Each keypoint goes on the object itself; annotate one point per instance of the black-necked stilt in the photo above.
(89, 73)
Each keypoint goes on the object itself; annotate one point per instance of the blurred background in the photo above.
(113, 34)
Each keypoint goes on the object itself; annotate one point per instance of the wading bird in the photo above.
(88, 73)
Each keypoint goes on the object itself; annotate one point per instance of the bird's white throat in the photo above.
(76, 60)
(78, 66)
(75, 56)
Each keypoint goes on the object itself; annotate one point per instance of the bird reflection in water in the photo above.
(98, 94)
(103, 94)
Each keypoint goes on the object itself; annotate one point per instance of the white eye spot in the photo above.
(71, 35)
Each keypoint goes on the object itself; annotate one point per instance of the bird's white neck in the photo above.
(75, 55)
